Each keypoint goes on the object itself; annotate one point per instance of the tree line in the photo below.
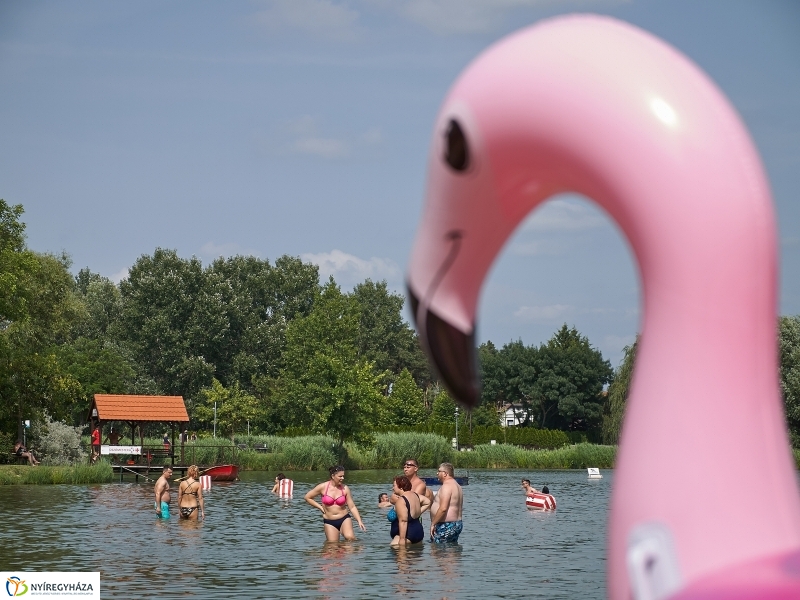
(273, 347)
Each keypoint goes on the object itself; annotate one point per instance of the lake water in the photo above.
(254, 545)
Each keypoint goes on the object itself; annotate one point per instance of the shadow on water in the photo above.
(254, 545)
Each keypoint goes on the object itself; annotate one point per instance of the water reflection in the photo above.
(335, 565)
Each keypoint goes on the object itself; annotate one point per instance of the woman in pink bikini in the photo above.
(336, 500)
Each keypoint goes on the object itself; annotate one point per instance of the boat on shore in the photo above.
(223, 472)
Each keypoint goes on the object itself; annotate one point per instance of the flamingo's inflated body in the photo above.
(595, 106)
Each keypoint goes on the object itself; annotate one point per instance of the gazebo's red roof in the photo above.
(125, 407)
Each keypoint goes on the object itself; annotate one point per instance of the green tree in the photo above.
(173, 321)
(235, 407)
(31, 377)
(789, 344)
(404, 406)
(384, 337)
(570, 378)
(324, 385)
(16, 264)
(614, 410)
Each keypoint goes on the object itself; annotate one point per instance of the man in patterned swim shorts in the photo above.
(446, 524)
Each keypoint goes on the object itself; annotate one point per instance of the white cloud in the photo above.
(323, 147)
(538, 248)
(542, 313)
(213, 250)
(320, 18)
(119, 275)
(470, 16)
(349, 269)
(565, 215)
(303, 135)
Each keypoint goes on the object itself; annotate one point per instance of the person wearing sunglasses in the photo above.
(410, 468)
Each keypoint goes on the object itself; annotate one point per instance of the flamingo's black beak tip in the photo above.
(451, 352)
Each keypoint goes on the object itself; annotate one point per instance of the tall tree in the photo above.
(571, 377)
(614, 410)
(31, 377)
(404, 405)
(789, 344)
(324, 385)
(384, 337)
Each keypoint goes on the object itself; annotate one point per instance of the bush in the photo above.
(57, 443)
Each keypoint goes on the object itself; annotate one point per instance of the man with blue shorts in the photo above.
(162, 493)
(446, 523)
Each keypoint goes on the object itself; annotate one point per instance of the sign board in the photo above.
(106, 449)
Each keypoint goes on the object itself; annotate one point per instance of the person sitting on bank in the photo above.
(383, 501)
(22, 452)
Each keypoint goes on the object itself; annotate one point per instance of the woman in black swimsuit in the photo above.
(407, 528)
(190, 496)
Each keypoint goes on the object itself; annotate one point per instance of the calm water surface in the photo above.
(254, 545)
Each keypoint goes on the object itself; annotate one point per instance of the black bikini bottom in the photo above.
(186, 511)
(336, 522)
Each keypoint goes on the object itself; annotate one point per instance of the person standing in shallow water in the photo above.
(190, 496)
(407, 528)
(337, 506)
(446, 523)
(162, 493)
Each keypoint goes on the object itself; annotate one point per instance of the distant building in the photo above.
(512, 415)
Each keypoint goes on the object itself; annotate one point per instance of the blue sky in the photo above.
(302, 126)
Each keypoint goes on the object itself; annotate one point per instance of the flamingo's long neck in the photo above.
(661, 150)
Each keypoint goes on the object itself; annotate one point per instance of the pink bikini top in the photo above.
(329, 501)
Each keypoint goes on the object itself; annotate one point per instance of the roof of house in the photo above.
(125, 407)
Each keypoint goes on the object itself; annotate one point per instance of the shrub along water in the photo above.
(77, 474)
(309, 453)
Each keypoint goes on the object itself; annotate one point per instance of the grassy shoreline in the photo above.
(315, 453)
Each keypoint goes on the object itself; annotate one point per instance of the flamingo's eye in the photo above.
(456, 152)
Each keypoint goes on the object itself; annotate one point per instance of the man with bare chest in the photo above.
(446, 522)
(162, 493)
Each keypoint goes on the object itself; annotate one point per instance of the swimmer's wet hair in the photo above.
(335, 469)
(545, 489)
(280, 476)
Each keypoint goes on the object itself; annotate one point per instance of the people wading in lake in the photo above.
(446, 522)
(162, 493)
(190, 496)
(409, 506)
(338, 508)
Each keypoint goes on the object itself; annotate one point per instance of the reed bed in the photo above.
(390, 449)
(579, 456)
(44, 475)
(312, 453)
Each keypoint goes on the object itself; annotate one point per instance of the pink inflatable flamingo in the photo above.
(705, 501)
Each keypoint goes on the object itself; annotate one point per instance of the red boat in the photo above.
(222, 473)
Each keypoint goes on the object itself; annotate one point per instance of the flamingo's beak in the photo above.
(451, 352)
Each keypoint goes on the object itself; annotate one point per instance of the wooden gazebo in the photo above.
(137, 410)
